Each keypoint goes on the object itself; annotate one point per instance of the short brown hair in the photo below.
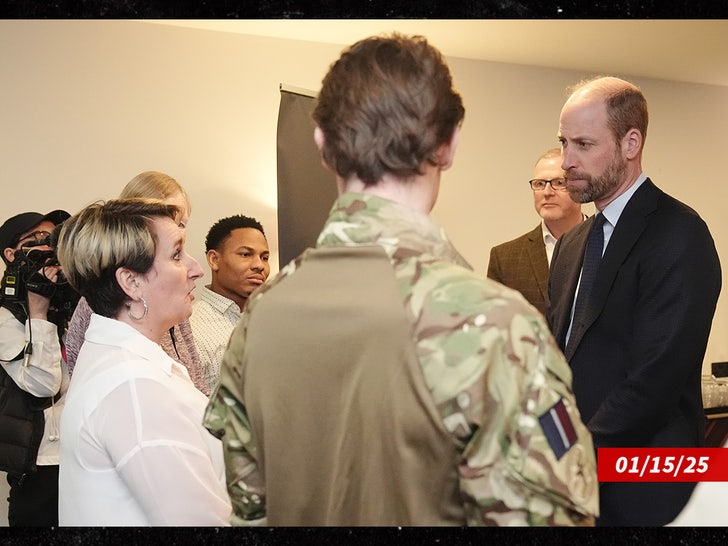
(626, 105)
(386, 106)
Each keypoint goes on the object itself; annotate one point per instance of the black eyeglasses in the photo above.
(35, 236)
(557, 184)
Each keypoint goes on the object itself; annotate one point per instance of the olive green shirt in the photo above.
(377, 380)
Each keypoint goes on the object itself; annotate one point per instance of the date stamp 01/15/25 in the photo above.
(664, 464)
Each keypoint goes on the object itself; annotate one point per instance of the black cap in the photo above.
(14, 227)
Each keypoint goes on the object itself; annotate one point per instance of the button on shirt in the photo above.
(213, 320)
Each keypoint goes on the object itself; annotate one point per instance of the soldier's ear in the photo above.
(320, 139)
(446, 152)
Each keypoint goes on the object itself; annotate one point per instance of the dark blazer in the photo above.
(521, 264)
(637, 365)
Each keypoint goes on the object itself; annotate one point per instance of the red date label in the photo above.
(662, 464)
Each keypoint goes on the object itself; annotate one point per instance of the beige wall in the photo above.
(88, 104)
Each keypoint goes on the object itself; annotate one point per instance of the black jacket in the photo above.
(637, 358)
(21, 424)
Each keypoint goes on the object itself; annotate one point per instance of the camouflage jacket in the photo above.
(500, 384)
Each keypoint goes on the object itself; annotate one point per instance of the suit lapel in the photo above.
(536, 250)
(630, 226)
(563, 279)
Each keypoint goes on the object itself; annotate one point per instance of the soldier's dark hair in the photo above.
(386, 106)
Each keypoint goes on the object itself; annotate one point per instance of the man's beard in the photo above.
(598, 187)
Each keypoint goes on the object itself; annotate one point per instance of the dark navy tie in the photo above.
(592, 258)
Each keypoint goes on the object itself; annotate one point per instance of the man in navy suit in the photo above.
(523, 263)
(636, 353)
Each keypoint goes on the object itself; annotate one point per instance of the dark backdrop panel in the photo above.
(306, 190)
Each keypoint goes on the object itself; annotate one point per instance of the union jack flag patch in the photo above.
(558, 428)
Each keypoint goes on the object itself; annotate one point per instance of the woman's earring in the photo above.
(144, 314)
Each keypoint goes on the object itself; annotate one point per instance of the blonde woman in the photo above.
(178, 342)
(133, 448)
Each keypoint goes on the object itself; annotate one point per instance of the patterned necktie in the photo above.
(592, 258)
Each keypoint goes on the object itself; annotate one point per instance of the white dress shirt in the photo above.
(213, 320)
(133, 448)
(549, 241)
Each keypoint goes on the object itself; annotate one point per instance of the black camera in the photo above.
(24, 274)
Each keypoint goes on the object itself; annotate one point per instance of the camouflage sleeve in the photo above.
(531, 459)
(503, 390)
(227, 418)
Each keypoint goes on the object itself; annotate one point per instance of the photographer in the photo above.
(33, 372)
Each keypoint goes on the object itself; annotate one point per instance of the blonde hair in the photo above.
(154, 185)
(549, 154)
(103, 237)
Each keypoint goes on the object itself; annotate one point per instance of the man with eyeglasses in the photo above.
(33, 373)
(523, 263)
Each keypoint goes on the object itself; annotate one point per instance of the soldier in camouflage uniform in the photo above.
(377, 380)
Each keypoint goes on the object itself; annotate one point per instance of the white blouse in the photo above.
(133, 448)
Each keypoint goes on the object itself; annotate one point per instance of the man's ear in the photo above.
(446, 152)
(212, 259)
(320, 140)
(9, 254)
(128, 281)
(632, 143)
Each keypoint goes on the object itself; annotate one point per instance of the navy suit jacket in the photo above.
(638, 358)
(522, 264)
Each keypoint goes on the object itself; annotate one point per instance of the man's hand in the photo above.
(38, 304)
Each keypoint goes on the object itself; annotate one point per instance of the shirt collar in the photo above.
(548, 237)
(363, 219)
(218, 302)
(107, 331)
(613, 210)
(546, 234)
